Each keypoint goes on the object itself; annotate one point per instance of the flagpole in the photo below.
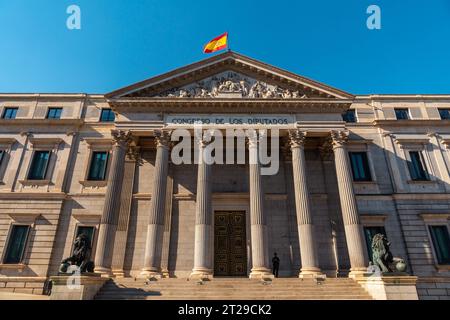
(228, 42)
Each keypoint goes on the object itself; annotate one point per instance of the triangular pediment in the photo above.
(229, 75)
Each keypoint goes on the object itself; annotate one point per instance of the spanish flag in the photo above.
(217, 44)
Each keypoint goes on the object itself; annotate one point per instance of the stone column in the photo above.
(308, 252)
(260, 250)
(203, 260)
(109, 220)
(120, 244)
(155, 229)
(352, 224)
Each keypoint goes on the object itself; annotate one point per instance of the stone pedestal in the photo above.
(72, 287)
(396, 286)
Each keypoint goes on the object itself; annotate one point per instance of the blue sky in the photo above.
(122, 42)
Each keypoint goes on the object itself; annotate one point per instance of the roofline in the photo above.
(402, 96)
(51, 95)
(102, 96)
(165, 75)
(220, 57)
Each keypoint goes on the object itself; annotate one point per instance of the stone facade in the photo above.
(151, 217)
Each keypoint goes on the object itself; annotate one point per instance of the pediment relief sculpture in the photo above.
(232, 85)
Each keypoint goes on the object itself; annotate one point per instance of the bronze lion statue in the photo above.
(382, 256)
(80, 257)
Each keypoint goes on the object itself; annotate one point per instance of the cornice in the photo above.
(29, 196)
(231, 105)
(51, 96)
(41, 122)
(411, 123)
(417, 97)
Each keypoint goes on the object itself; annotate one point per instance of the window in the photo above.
(402, 114)
(349, 116)
(10, 113)
(369, 233)
(441, 243)
(360, 166)
(445, 114)
(39, 165)
(107, 116)
(417, 167)
(54, 113)
(88, 231)
(16, 244)
(97, 170)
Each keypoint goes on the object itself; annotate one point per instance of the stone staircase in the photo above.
(233, 289)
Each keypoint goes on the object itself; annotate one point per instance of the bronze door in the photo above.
(230, 250)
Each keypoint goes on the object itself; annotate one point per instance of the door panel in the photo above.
(230, 252)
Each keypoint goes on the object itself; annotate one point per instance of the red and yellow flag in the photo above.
(217, 44)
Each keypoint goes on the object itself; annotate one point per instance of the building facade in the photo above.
(349, 167)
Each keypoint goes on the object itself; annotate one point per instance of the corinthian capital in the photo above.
(121, 137)
(254, 137)
(162, 138)
(297, 138)
(134, 153)
(339, 138)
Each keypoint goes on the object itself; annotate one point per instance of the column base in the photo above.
(118, 273)
(357, 272)
(310, 273)
(261, 274)
(150, 274)
(104, 272)
(165, 273)
(201, 275)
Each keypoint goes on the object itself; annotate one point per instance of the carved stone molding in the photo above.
(326, 151)
(230, 84)
(339, 138)
(134, 154)
(121, 137)
(255, 137)
(162, 138)
(297, 138)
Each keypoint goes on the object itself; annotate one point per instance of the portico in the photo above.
(203, 240)
(266, 108)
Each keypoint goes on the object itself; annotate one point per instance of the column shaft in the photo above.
(109, 220)
(352, 225)
(203, 259)
(308, 252)
(155, 228)
(260, 250)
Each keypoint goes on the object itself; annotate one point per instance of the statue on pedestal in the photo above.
(80, 257)
(382, 256)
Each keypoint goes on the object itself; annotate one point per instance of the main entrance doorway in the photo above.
(230, 250)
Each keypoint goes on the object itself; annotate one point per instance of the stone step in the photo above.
(219, 285)
(232, 289)
(206, 287)
(240, 294)
(220, 297)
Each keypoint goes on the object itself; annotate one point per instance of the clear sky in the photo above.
(122, 42)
